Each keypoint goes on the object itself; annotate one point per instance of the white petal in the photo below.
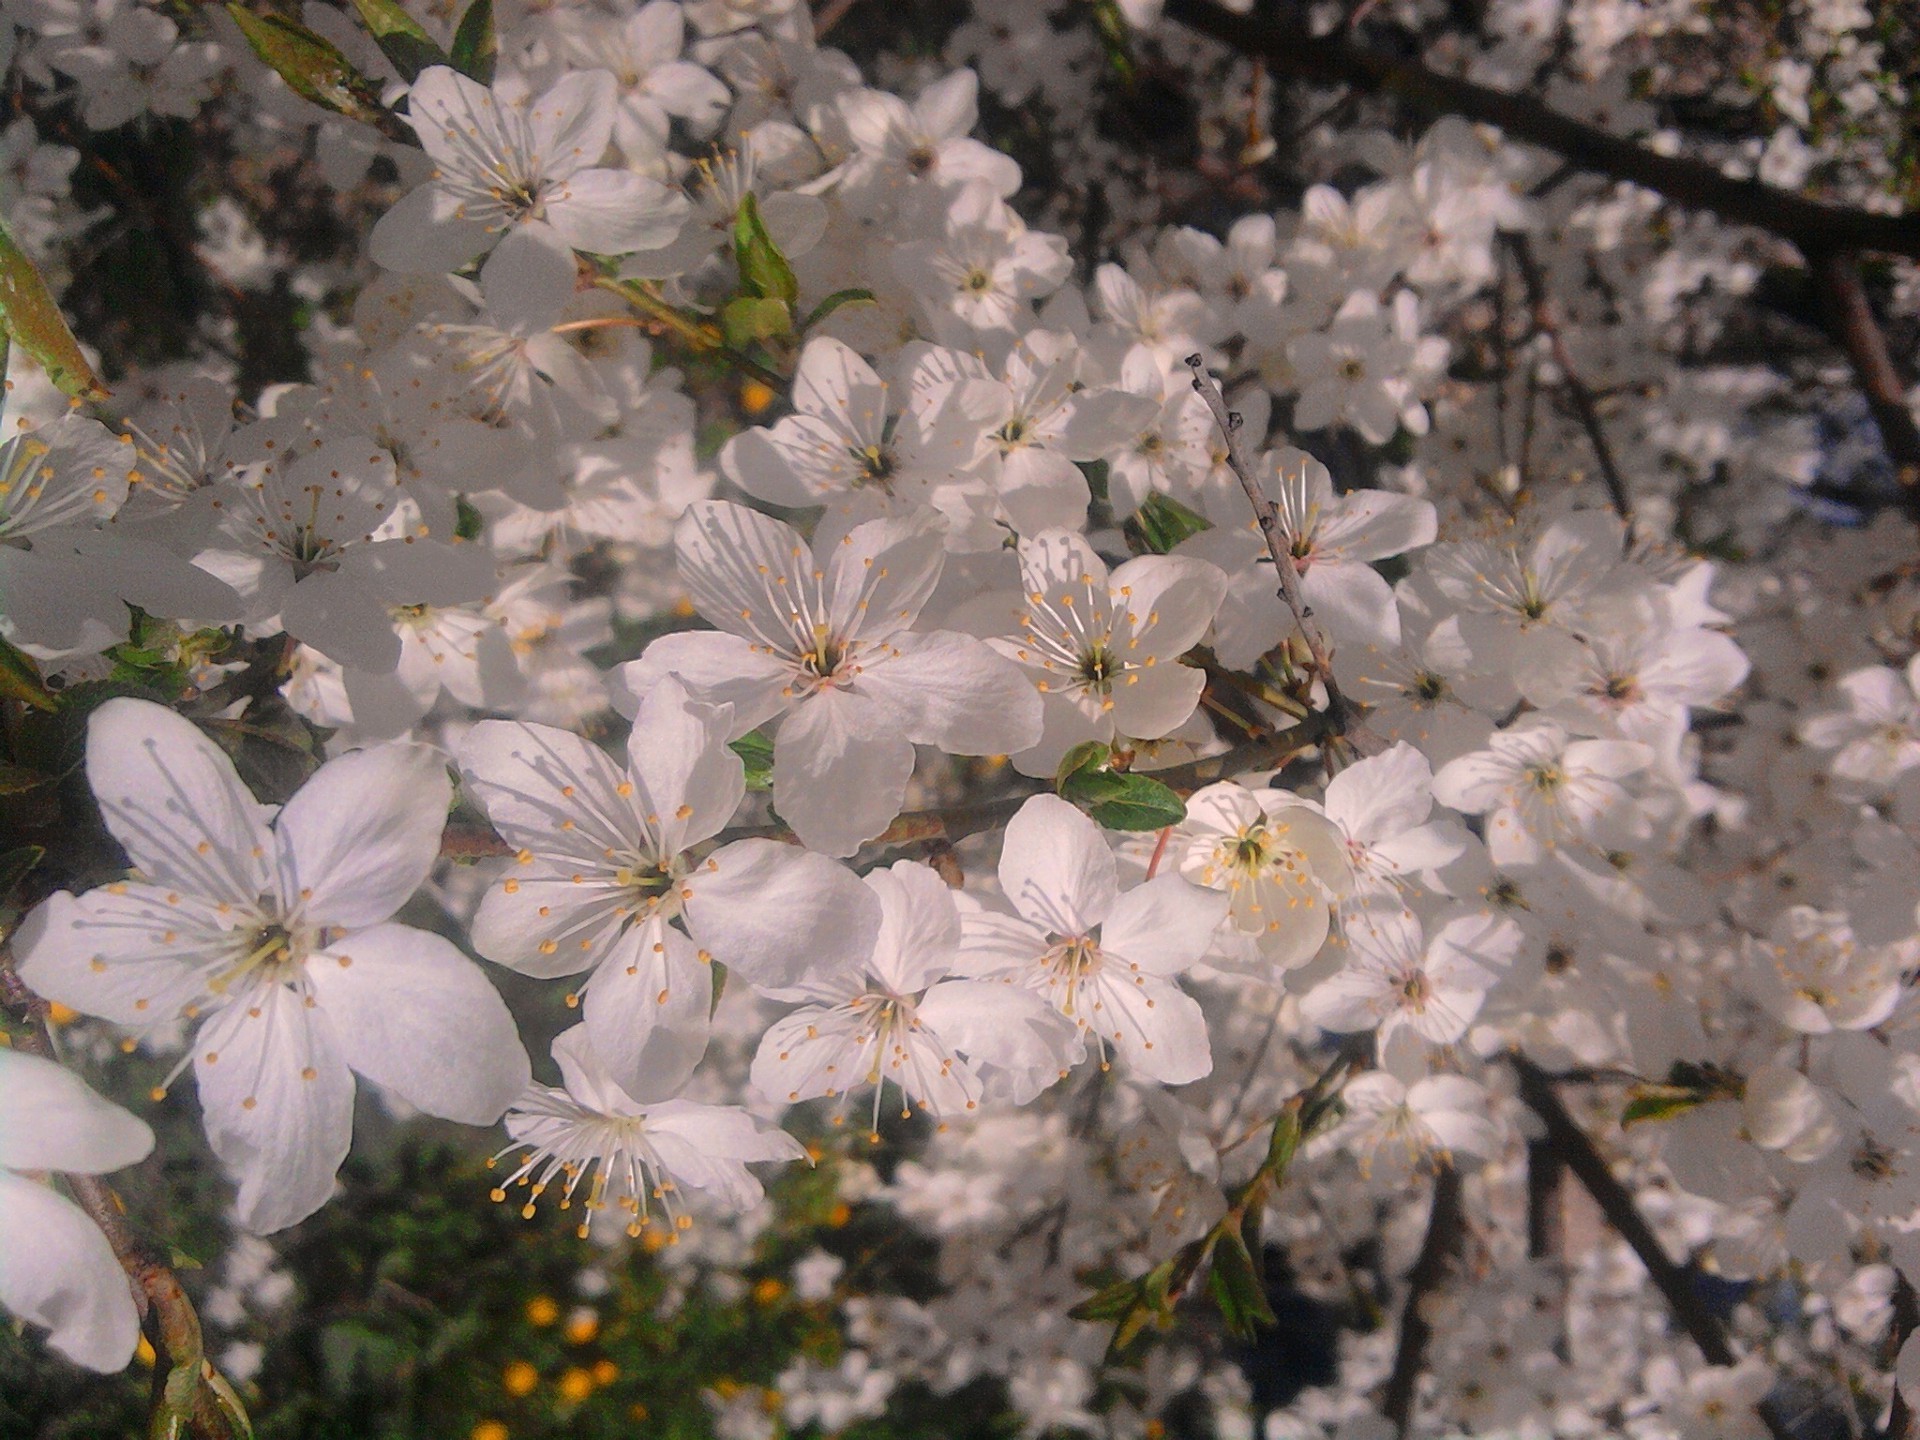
(837, 780)
(994, 1023)
(120, 952)
(53, 1121)
(543, 923)
(413, 1014)
(277, 1100)
(956, 692)
(613, 212)
(679, 759)
(58, 1272)
(774, 913)
(174, 800)
(551, 792)
(361, 836)
(1163, 926)
(646, 1011)
(919, 926)
(1056, 868)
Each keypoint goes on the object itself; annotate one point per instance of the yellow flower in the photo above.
(542, 1310)
(575, 1385)
(520, 1378)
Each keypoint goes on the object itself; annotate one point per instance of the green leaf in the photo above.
(468, 523)
(833, 302)
(32, 318)
(1118, 800)
(1237, 1287)
(746, 318)
(1660, 1102)
(475, 45)
(18, 779)
(16, 864)
(1087, 755)
(1110, 1302)
(20, 679)
(309, 63)
(756, 754)
(1164, 522)
(403, 39)
(764, 272)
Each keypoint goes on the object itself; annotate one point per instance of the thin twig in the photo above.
(1906, 1319)
(1540, 301)
(470, 838)
(1446, 1224)
(1836, 275)
(1590, 1168)
(1338, 59)
(1345, 720)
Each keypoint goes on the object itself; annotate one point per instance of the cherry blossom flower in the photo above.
(67, 578)
(1401, 977)
(1278, 859)
(1103, 958)
(898, 1019)
(1876, 738)
(631, 1155)
(897, 145)
(846, 440)
(272, 934)
(1104, 649)
(1380, 805)
(1540, 789)
(1393, 1128)
(502, 168)
(56, 1269)
(824, 639)
(1814, 976)
(609, 858)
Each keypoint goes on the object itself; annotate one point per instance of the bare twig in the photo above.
(1906, 1319)
(1590, 1168)
(1540, 301)
(1342, 717)
(1446, 1224)
(469, 838)
(1338, 59)
(1836, 274)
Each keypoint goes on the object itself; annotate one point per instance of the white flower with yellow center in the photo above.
(611, 877)
(1104, 650)
(631, 1156)
(1103, 959)
(272, 932)
(898, 1020)
(1280, 862)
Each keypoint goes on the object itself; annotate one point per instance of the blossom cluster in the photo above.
(717, 491)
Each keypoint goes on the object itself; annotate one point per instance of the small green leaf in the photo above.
(310, 64)
(475, 45)
(756, 755)
(20, 679)
(746, 318)
(16, 864)
(401, 38)
(1660, 1102)
(1164, 522)
(18, 779)
(833, 302)
(32, 318)
(1110, 1302)
(1087, 755)
(468, 523)
(1118, 800)
(764, 272)
(1237, 1287)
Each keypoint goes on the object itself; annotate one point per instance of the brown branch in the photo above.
(1836, 275)
(1812, 225)
(1590, 1168)
(470, 838)
(1343, 719)
(1906, 1319)
(1446, 1225)
(190, 1399)
(1547, 322)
